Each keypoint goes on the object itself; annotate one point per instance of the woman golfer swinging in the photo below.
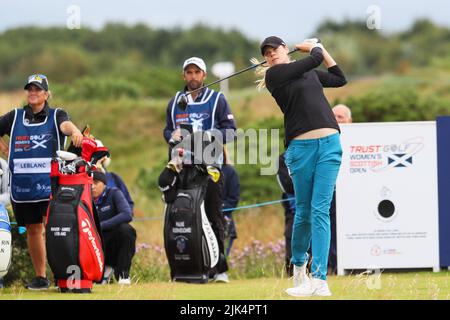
(313, 155)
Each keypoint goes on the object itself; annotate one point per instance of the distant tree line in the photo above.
(142, 61)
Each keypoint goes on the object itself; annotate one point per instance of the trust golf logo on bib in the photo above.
(33, 142)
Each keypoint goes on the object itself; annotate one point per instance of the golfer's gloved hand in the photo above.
(309, 44)
(316, 42)
(312, 40)
(305, 46)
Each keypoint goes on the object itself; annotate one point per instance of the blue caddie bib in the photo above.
(30, 153)
(199, 114)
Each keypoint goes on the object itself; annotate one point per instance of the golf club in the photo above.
(182, 100)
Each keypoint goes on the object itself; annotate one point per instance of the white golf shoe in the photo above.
(221, 277)
(320, 287)
(310, 287)
(300, 274)
(305, 289)
(124, 281)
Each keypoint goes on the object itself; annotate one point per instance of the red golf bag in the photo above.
(73, 236)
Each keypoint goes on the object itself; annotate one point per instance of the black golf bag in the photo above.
(190, 243)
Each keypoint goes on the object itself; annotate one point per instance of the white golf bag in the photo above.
(5, 241)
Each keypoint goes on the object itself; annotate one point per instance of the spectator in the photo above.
(285, 182)
(343, 114)
(231, 193)
(118, 235)
(113, 179)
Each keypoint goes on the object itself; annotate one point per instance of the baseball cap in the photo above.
(197, 61)
(271, 41)
(39, 80)
(167, 183)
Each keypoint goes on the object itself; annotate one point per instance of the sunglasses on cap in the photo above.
(36, 77)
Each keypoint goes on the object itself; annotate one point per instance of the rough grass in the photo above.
(410, 286)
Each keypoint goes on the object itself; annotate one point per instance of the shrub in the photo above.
(396, 101)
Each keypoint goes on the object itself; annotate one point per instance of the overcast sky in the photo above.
(293, 20)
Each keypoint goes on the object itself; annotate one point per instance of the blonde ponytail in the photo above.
(260, 71)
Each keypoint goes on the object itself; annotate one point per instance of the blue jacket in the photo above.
(114, 180)
(112, 208)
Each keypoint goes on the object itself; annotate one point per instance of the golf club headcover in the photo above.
(182, 102)
(176, 163)
(88, 147)
(214, 173)
(99, 153)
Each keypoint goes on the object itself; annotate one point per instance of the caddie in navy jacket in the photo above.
(119, 236)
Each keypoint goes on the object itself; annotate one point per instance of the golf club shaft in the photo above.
(232, 75)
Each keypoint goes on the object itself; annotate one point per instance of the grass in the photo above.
(393, 286)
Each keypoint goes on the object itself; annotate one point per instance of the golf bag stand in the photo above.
(73, 235)
(5, 241)
(190, 243)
